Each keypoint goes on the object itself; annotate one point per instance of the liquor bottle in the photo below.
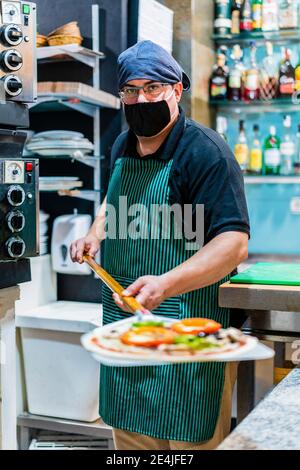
(255, 164)
(271, 155)
(297, 160)
(257, 14)
(222, 127)
(268, 75)
(241, 149)
(235, 83)
(287, 148)
(251, 85)
(236, 16)
(219, 78)
(297, 77)
(298, 144)
(222, 24)
(286, 74)
(288, 14)
(270, 15)
(246, 23)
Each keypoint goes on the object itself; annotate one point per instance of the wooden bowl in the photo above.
(41, 41)
(62, 40)
(70, 29)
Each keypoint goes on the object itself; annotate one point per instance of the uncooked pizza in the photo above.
(152, 338)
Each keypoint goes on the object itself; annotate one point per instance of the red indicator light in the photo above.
(29, 166)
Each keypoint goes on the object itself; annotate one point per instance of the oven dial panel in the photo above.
(14, 172)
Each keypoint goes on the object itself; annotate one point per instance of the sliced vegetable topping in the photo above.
(194, 326)
(194, 342)
(147, 323)
(148, 336)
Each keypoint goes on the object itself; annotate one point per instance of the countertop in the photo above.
(275, 422)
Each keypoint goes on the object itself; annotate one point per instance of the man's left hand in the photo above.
(149, 291)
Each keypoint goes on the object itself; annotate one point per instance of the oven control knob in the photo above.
(11, 35)
(15, 247)
(16, 195)
(11, 60)
(12, 85)
(15, 221)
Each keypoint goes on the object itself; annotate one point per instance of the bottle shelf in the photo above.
(258, 106)
(261, 179)
(260, 37)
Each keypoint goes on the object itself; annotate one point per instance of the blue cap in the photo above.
(149, 61)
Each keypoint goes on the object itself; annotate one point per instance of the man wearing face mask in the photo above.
(165, 159)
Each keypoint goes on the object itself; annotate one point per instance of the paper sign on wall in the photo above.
(156, 24)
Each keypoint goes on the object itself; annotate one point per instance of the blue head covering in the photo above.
(149, 61)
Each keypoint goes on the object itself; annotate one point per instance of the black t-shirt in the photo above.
(204, 171)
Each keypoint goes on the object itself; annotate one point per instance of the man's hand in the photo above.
(149, 291)
(89, 244)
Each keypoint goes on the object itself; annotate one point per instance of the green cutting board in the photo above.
(283, 274)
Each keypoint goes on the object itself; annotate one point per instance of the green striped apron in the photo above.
(175, 402)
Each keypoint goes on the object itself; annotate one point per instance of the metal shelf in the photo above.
(86, 194)
(85, 105)
(89, 160)
(259, 106)
(27, 422)
(52, 54)
(271, 179)
(277, 37)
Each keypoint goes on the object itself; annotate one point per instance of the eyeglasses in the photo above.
(130, 94)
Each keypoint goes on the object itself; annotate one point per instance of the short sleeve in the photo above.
(213, 178)
(225, 206)
(118, 149)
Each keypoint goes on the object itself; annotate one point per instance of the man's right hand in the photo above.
(89, 244)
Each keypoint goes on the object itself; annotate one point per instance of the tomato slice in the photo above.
(194, 326)
(148, 336)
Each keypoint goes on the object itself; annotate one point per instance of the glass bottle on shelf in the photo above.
(235, 82)
(219, 77)
(241, 149)
(251, 84)
(222, 24)
(288, 14)
(286, 74)
(271, 154)
(236, 16)
(297, 76)
(255, 163)
(257, 14)
(222, 127)
(246, 23)
(287, 148)
(270, 15)
(268, 75)
(297, 159)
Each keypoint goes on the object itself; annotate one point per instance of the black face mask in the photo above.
(148, 119)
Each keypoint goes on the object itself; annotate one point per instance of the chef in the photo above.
(166, 159)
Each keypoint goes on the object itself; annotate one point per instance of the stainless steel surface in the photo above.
(24, 46)
(273, 321)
